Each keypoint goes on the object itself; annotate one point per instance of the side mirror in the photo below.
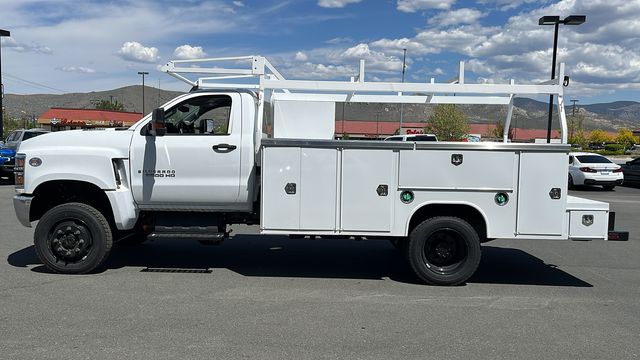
(157, 123)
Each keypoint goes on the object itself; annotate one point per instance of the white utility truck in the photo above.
(265, 154)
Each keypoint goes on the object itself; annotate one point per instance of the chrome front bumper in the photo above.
(22, 206)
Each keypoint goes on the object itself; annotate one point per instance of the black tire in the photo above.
(571, 186)
(443, 250)
(73, 238)
(608, 187)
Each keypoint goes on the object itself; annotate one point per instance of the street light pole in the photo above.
(2, 33)
(143, 73)
(555, 20)
(404, 67)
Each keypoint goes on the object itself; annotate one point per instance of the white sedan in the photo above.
(593, 169)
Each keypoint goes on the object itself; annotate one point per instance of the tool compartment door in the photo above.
(538, 212)
(363, 172)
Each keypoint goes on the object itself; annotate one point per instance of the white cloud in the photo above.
(186, 52)
(77, 69)
(336, 3)
(136, 52)
(311, 70)
(238, 3)
(508, 4)
(457, 17)
(14, 45)
(339, 40)
(374, 60)
(300, 56)
(397, 46)
(417, 5)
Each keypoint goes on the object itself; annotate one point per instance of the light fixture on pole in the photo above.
(143, 73)
(404, 67)
(555, 20)
(2, 33)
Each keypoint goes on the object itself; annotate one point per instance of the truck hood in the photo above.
(109, 142)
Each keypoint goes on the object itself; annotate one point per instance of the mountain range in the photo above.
(528, 113)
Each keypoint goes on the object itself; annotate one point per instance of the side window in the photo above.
(14, 136)
(570, 159)
(203, 115)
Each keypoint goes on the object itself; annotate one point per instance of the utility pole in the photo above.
(404, 67)
(2, 33)
(574, 101)
(143, 73)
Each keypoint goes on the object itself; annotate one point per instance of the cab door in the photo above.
(196, 165)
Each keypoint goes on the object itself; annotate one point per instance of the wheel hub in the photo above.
(70, 241)
(444, 250)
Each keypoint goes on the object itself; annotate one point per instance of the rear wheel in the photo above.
(73, 238)
(443, 250)
(571, 182)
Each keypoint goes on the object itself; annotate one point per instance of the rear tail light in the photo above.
(588, 170)
(618, 170)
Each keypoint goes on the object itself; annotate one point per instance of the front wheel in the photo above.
(73, 238)
(443, 250)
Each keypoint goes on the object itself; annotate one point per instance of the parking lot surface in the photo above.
(269, 297)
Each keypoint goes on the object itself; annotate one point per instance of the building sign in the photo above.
(411, 131)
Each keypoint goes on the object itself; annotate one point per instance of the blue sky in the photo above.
(84, 45)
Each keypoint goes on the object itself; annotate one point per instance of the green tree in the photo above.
(10, 124)
(576, 124)
(498, 131)
(110, 106)
(579, 138)
(448, 123)
(599, 136)
(625, 137)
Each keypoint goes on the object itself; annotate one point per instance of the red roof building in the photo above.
(373, 130)
(56, 119)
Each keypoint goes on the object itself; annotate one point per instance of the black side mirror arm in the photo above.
(157, 123)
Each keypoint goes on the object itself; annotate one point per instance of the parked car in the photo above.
(7, 161)
(593, 169)
(17, 136)
(11, 145)
(635, 149)
(412, 137)
(631, 171)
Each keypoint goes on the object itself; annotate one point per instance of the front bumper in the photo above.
(22, 206)
(6, 168)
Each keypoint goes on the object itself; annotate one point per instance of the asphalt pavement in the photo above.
(269, 297)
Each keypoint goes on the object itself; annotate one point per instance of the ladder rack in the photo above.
(271, 81)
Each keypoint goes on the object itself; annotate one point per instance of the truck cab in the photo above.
(204, 161)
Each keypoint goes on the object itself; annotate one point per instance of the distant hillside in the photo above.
(528, 113)
(130, 96)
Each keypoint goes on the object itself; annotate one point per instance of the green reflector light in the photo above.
(406, 197)
(502, 199)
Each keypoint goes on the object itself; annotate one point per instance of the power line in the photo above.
(32, 83)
